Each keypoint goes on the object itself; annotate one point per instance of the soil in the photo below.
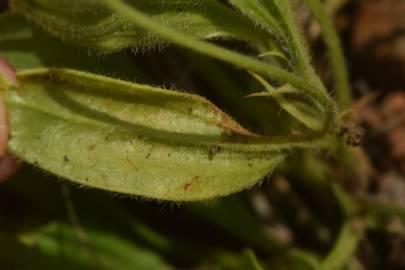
(374, 40)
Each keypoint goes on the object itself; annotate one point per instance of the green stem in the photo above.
(293, 141)
(295, 40)
(344, 248)
(344, 200)
(253, 262)
(337, 59)
(349, 236)
(242, 61)
(383, 209)
(304, 258)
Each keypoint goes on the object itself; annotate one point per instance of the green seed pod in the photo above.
(132, 138)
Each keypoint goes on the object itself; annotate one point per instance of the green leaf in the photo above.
(336, 55)
(345, 246)
(262, 16)
(57, 247)
(16, 255)
(251, 262)
(244, 261)
(294, 260)
(282, 10)
(257, 12)
(101, 250)
(25, 46)
(298, 110)
(132, 138)
(271, 71)
(249, 112)
(91, 24)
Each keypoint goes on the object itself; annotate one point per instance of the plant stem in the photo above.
(344, 248)
(304, 258)
(296, 42)
(344, 200)
(278, 143)
(253, 262)
(374, 207)
(242, 61)
(337, 59)
(349, 236)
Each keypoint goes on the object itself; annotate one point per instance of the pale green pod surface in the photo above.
(132, 138)
(90, 23)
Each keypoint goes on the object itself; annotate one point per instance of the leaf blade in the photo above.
(257, 12)
(132, 138)
(59, 243)
(25, 46)
(90, 24)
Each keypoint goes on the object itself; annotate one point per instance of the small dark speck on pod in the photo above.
(212, 151)
(187, 186)
(65, 158)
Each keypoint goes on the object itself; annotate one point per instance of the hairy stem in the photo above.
(337, 59)
(295, 40)
(223, 54)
